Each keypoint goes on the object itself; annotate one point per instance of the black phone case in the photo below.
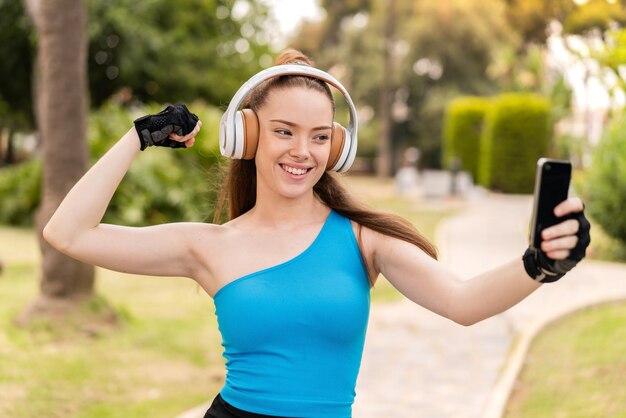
(551, 188)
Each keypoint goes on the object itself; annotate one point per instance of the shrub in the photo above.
(605, 181)
(463, 124)
(163, 185)
(20, 191)
(516, 133)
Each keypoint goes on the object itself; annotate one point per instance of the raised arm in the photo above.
(75, 227)
(430, 284)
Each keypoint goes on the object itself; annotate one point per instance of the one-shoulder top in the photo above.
(293, 334)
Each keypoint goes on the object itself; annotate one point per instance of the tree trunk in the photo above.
(383, 162)
(9, 157)
(61, 112)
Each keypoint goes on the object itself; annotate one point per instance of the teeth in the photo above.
(292, 170)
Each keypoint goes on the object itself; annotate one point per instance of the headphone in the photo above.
(239, 129)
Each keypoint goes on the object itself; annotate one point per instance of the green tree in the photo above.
(453, 43)
(17, 46)
(531, 17)
(163, 53)
(147, 50)
(594, 14)
(439, 50)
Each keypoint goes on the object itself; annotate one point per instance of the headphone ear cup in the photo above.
(337, 143)
(250, 131)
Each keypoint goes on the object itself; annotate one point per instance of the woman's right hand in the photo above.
(189, 139)
(158, 129)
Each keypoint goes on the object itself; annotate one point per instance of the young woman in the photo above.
(290, 272)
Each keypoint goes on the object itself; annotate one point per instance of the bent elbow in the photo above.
(53, 238)
(48, 235)
(466, 322)
(464, 319)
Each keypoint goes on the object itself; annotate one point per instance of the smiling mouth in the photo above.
(295, 171)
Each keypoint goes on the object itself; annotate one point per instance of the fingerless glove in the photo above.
(155, 129)
(546, 270)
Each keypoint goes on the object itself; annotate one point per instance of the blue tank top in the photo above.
(293, 333)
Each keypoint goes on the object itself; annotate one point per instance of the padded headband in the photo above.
(232, 148)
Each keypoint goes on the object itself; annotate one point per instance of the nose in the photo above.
(300, 149)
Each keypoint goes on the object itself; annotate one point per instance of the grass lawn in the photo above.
(576, 368)
(163, 358)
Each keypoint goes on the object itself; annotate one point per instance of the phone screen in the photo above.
(553, 178)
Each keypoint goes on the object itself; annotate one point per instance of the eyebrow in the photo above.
(286, 122)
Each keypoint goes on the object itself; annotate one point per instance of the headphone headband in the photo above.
(228, 125)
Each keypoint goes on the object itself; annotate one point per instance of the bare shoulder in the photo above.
(206, 242)
(203, 236)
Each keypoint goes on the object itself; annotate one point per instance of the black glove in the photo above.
(155, 129)
(546, 270)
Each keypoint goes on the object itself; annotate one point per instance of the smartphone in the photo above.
(551, 188)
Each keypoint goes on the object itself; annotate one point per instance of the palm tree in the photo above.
(61, 113)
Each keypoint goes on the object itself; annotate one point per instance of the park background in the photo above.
(447, 89)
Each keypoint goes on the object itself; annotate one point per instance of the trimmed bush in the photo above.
(463, 125)
(20, 192)
(516, 134)
(605, 181)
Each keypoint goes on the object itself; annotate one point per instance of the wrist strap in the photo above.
(535, 270)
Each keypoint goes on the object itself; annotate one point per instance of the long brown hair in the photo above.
(239, 190)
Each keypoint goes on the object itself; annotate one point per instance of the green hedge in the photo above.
(162, 185)
(516, 133)
(463, 126)
(605, 181)
(20, 190)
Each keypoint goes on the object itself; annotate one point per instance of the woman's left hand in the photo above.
(570, 238)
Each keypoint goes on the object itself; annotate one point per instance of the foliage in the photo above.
(517, 132)
(463, 125)
(163, 185)
(605, 182)
(17, 49)
(20, 192)
(594, 14)
(165, 53)
(166, 185)
(439, 50)
(612, 56)
(531, 17)
(150, 51)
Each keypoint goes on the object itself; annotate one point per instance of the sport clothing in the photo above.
(293, 333)
(546, 270)
(155, 129)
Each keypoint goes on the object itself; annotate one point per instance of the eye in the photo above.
(322, 138)
(282, 132)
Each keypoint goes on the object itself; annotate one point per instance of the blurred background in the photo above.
(455, 98)
(478, 87)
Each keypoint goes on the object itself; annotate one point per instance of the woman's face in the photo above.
(294, 142)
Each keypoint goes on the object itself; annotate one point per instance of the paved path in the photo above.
(417, 364)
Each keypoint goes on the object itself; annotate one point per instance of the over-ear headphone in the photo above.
(239, 129)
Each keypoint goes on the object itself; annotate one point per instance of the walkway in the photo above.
(417, 364)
